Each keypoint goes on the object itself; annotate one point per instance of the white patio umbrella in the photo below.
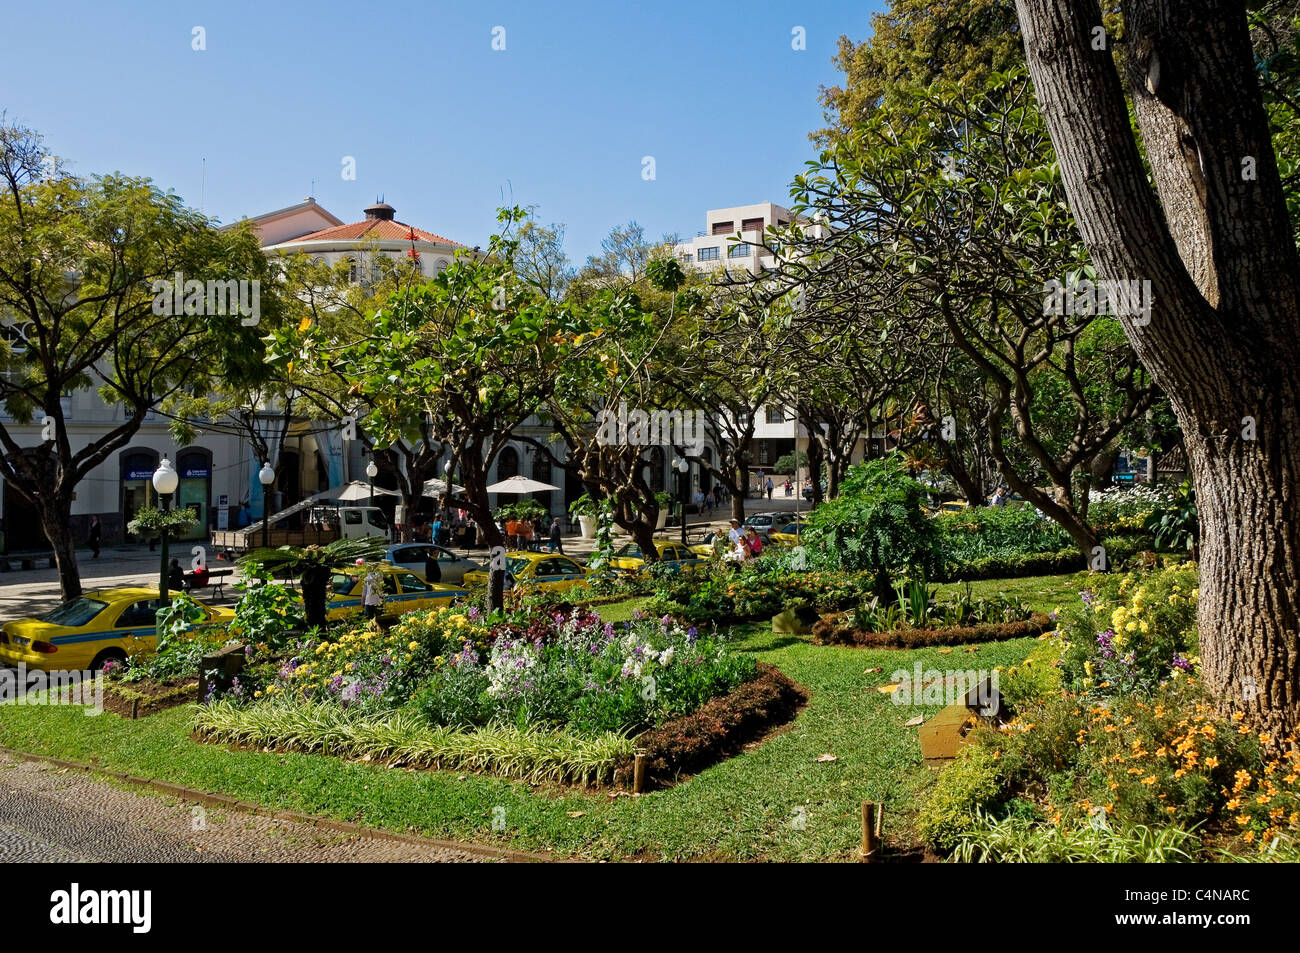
(356, 490)
(520, 484)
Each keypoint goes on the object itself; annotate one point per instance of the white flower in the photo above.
(666, 657)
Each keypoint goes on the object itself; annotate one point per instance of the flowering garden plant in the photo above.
(1131, 634)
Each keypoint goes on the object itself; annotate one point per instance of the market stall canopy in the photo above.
(520, 484)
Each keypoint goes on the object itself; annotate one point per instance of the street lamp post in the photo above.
(266, 476)
(165, 481)
(372, 471)
(683, 467)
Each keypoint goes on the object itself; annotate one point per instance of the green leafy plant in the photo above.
(1176, 525)
(312, 565)
(151, 522)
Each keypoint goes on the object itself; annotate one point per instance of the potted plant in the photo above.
(584, 508)
(665, 503)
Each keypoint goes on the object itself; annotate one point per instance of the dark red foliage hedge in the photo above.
(718, 729)
(834, 630)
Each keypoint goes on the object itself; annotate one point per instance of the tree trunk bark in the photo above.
(1222, 336)
(56, 523)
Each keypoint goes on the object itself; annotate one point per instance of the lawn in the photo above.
(774, 802)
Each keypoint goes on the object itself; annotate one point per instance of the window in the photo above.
(440, 266)
(140, 613)
(351, 517)
(508, 464)
(354, 271)
(413, 583)
(775, 415)
(708, 254)
(752, 225)
(739, 251)
(76, 612)
(723, 228)
(390, 584)
(686, 258)
(342, 583)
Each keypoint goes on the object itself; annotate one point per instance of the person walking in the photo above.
(768, 487)
(708, 503)
(372, 591)
(96, 535)
(557, 536)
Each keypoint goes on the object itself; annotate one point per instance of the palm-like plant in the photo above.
(311, 566)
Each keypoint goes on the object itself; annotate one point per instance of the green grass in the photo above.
(748, 807)
(1039, 593)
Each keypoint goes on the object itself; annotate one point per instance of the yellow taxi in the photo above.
(630, 559)
(403, 591)
(713, 544)
(535, 571)
(788, 535)
(86, 632)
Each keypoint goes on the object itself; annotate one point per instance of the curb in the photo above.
(208, 799)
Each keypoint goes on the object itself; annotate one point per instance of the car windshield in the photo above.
(516, 566)
(75, 612)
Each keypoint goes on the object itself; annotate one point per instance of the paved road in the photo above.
(52, 815)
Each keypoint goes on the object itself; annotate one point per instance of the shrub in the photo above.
(720, 727)
(1021, 841)
(530, 754)
(1131, 634)
(964, 788)
(876, 525)
(997, 532)
(1016, 566)
(829, 632)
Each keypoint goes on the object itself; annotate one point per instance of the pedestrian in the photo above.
(769, 487)
(754, 540)
(735, 535)
(175, 577)
(557, 536)
(372, 591)
(96, 535)
(789, 488)
(708, 502)
(432, 572)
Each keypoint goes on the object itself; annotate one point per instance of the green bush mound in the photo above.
(833, 632)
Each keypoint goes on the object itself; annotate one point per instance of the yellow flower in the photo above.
(413, 646)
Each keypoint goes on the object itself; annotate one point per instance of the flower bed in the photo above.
(756, 591)
(526, 694)
(841, 631)
(720, 727)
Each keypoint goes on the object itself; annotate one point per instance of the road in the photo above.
(53, 815)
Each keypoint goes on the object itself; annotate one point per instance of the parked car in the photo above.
(710, 545)
(86, 632)
(631, 559)
(788, 535)
(404, 591)
(414, 556)
(536, 571)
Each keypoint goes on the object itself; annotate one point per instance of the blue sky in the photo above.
(437, 121)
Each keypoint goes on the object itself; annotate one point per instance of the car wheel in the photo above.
(113, 655)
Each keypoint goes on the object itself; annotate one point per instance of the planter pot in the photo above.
(794, 621)
(588, 526)
(663, 520)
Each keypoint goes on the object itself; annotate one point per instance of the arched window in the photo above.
(440, 266)
(354, 271)
(508, 464)
(542, 474)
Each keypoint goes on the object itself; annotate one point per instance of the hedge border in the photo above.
(717, 730)
(831, 631)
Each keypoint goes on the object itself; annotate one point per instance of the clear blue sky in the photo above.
(438, 122)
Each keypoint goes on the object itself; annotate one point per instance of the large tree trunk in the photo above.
(56, 519)
(1224, 337)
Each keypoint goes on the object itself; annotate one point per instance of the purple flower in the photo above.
(1181, 663)
(1088, 597)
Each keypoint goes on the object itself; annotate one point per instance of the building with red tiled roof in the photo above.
(378, 233)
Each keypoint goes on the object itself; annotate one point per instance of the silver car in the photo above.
(413, 556)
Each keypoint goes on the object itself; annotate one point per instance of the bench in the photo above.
(216, 584)
(27, 560)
